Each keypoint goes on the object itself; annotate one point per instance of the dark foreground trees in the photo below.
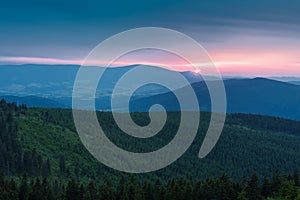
(223, 188)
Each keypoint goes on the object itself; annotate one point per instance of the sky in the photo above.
(243, 38)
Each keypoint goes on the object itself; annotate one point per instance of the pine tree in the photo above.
(91, 192)
(27, 160)
(47, 189)
(13, 194)
(296, 178)
(23, 190)
(198, 190)
(106, 191)
(48, 166)
(148, 191)
(72, 190)
(266, 189)
(35, 163)
(287, 190)
(242, 195)
(276, 182)
(2, 187)
(62, 165)
(121, 189)
(253, 190)
(187, 190)
(37, 192)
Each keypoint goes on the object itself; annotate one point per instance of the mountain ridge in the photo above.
(251, 96)
(53, 85)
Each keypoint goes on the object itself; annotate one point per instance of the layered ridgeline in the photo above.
(251, 96)
(44, 142)
(52, 85)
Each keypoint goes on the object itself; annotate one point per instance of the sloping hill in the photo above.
(243, 148)
(256, 96)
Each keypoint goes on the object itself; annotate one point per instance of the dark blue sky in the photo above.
(70, 29)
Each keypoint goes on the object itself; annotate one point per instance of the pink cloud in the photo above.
(259, 62)
(36, 60)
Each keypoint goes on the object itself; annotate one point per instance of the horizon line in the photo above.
(225, 68)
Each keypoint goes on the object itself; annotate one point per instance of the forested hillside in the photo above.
(249, 143)
(13, 158)
(43, 144)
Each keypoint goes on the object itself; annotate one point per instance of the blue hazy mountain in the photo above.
(51, 86)
(288, 79)
(256, 96)
(37, 80)
(55, 83)
(294, 82)
(57, 80)
(34, 101)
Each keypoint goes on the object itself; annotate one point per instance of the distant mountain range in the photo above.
(54, 83)
(34, 101)
(57, 80)
(295, 82)
(258, 95)
(288, 79)
(51, 86)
